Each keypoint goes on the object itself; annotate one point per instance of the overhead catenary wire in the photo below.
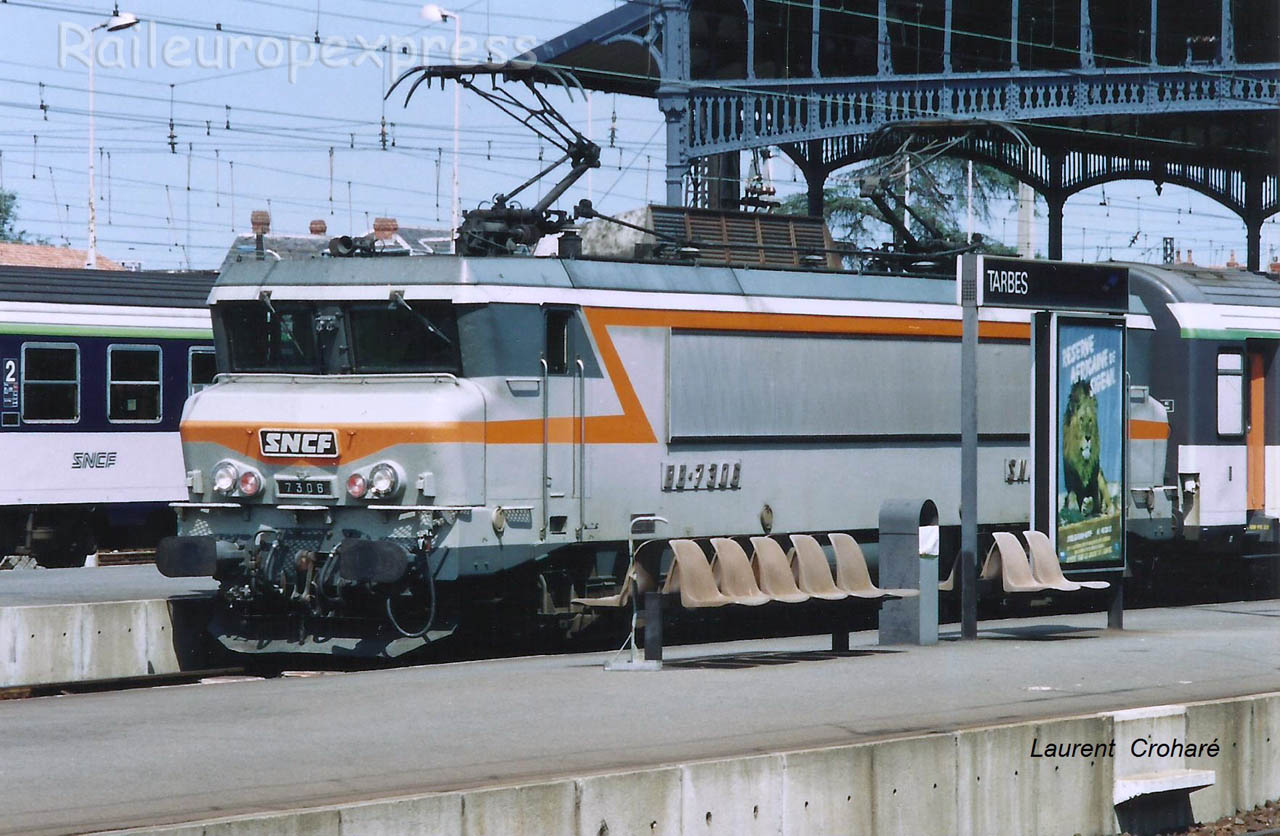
(648, 164)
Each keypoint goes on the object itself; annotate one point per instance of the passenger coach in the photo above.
(96, 365)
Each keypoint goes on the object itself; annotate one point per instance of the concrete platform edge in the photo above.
(974, 782)
(48, 643)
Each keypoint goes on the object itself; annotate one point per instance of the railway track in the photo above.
(124, 557)
(124, 683)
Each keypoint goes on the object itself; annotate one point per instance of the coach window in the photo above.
(1230, 393)
(133, 384)
(202, 367)
(557, 347)
(50, 383)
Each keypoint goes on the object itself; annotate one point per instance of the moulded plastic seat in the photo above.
(989, 572)
(732, 570)
(636, 580)
(1047, 570)
(773, 572)
(949, 585)
(852, 574)
(691, 576)
(1013, 565)
(812, 573)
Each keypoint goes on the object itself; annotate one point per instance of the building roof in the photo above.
(417, 240)
(278, 247)
(47, 255)
(420, 240)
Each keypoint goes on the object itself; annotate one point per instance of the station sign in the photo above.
(1051, 285)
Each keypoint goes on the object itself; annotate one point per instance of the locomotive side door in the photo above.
(560, 422)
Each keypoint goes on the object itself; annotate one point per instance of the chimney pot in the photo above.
(260, 221)
(318, 227)
(384, 228)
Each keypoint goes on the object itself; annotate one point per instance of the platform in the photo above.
(96, 762)
(64, 625)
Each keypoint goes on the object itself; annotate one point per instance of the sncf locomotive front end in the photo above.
(332, 468)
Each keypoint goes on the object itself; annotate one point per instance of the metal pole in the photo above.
(968, 573)
(91, 257)
(969, 209)
(456, 211)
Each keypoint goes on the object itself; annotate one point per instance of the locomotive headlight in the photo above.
(384, 480)
(357, 486)
(225, 476)
(250, 483)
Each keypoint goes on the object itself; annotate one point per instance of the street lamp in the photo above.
(116, 23)
(435, 14)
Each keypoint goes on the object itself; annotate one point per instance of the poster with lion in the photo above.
(1090, 457)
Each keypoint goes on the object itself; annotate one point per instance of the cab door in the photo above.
(560, 423)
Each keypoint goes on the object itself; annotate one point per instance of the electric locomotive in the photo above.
(392, 442)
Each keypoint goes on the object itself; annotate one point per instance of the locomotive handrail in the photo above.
(546, 371)
(444, 507)
(581, 374)
(448, 377)
(205, 505)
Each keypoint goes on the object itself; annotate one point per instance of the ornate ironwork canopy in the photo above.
(1172, 91)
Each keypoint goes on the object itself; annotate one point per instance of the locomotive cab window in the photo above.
(558, 340)
(202, 367)
(133, 384)
(50, 383)
(271, 337)
(404, 337)
(1230, 393)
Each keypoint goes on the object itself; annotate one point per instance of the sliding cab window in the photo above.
(50, 383)
(404, 337)
(202, 368)
(133, 384)
(1230, 393)
(276, 337)
(558, 340)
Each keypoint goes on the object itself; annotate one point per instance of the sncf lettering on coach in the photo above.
(1007, 281)
(96, 460)
(312, 443)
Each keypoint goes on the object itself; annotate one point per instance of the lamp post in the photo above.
(435, 14)
(116, 23)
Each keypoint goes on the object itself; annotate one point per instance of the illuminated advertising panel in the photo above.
(1089, 443)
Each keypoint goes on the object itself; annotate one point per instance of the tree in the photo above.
(9, 233)
(938, 192)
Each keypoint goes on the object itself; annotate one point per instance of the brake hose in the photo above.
(431, 615)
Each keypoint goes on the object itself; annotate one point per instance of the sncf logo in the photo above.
(317, 444)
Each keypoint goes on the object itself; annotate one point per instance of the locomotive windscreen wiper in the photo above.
(398, 298)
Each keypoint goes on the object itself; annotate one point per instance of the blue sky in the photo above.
(170, 210)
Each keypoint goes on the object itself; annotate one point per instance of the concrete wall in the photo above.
(976, 782)
(75, 642)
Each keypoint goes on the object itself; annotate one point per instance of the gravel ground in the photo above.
(1264, 818)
